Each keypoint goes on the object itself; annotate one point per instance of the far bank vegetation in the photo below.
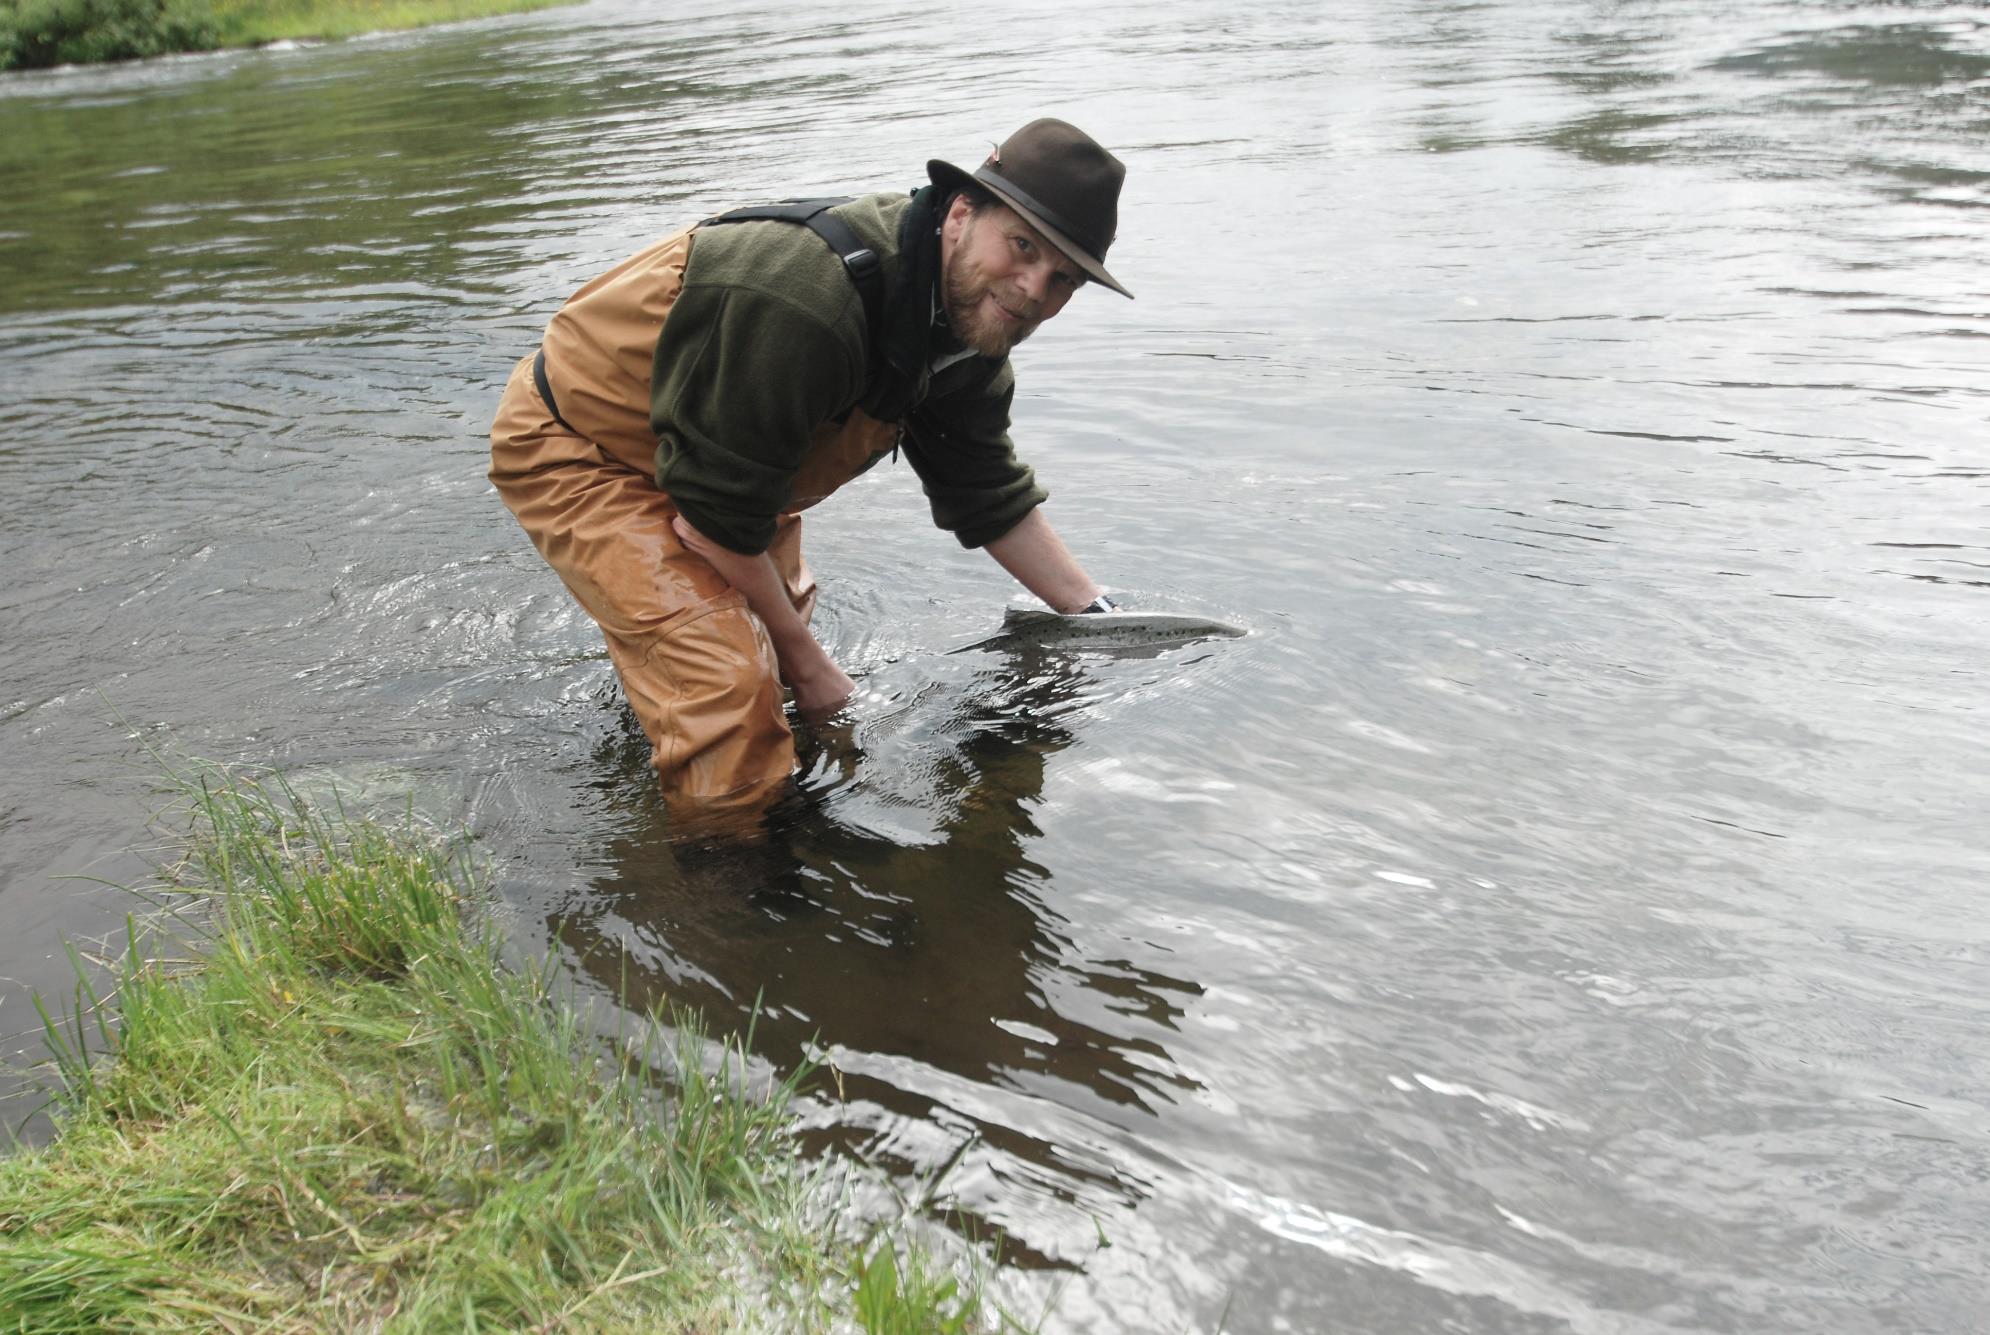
(35, 34)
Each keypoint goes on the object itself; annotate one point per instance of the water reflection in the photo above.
(386, 193)
(1915, 54)
(941, 952)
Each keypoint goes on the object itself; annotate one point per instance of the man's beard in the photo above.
(965, 288)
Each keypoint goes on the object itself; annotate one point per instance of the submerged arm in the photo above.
(820, 686)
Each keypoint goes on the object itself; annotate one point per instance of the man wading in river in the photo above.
(689, 403)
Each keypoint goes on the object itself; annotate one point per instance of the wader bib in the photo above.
(696, 665)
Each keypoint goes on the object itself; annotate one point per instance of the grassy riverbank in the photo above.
(342, 1112)
(39, 33)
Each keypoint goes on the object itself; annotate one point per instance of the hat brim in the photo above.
(950, 178)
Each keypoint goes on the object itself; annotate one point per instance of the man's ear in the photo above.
(953, 225)
(958, 212)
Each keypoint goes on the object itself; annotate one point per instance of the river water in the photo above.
(1564, 911)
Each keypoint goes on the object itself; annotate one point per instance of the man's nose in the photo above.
(1035, 281)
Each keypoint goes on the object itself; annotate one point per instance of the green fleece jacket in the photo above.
(767, 341)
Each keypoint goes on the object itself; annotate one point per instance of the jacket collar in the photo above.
(910, 329)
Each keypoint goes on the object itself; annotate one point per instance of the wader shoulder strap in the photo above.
(545, 388)
(859, 260)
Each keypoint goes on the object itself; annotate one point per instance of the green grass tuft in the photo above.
(340, 1111)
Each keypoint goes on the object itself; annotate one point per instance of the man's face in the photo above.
(1000, 278)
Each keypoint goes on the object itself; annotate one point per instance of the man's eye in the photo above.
(1023, 245)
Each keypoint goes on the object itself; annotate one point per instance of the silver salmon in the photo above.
(1101, 630)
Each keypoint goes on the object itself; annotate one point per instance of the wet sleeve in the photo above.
(959, 445)
(741, 380)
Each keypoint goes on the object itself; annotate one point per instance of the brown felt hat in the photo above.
(1061, 181)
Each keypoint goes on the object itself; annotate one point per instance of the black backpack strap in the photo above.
(866, 270)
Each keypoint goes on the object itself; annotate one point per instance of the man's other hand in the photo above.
(824, 691)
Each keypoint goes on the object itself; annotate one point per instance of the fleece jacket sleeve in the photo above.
(959, 445)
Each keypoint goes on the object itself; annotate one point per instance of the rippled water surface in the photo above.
(1565, 910)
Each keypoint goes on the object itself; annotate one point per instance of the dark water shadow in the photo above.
(914, 963)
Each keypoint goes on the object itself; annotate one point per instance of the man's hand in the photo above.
(822, 693)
